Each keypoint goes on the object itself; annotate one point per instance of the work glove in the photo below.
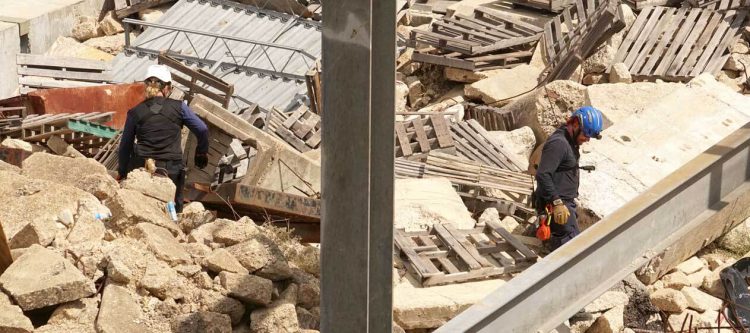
(561, 213)
(201, 161)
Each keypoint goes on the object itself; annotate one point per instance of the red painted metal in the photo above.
(116, 97)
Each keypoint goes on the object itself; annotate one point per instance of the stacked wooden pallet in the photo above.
(446, 255)
(719, 4)
(554, 6)
(574, 35)
(474, 143)
(491, 118)
(678, 44)
(73, 128)
(11, 117)
(107, 154)
(483, 42)
(466, 173)
(301, 129)
(420, 136)
(42, 72)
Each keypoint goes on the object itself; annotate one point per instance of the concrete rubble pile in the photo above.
(100, 256)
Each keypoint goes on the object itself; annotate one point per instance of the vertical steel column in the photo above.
(357, 165)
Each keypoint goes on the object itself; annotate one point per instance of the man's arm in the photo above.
(552, 155)
(197, 127)
(126, 145)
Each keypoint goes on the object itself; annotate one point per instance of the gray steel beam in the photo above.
(709, 189)
(357, 166)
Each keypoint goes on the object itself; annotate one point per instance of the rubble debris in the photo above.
(202, 321)
(119, 312)
(247, 288)
(110, 25)
(64, 170)
(113, 45)
(69, 47)
(21, 144)
(80, 313)
(609, 322)
(221, 260)
(620, 74)
(669, 300)
(41, 232)
(152, 185)
(277, 318)
(42, 278)
(13, 320)
(86, 28)
(60, 147)
(132, 207)
(505, 86)
(700, 301)
(161, 242)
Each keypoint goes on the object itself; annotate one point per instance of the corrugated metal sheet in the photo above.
(233, 19)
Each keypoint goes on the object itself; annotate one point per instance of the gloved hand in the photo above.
(201, 160)
(561, 213)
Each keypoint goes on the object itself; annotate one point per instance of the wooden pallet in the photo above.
(718, 4)
(301, 128)
(678, 44)
(445, 255)
(199, 81)
(420, 136)
(62, 72)
(107, 154)
(468, 174)
(491, 118)
(482, 42)
(473, 142)
(315, 90)
(574, 35)
(554, 6)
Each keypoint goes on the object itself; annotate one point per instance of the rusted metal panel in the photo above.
(118, 98)
(13, 156)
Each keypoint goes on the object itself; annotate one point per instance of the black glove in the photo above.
(201, 160)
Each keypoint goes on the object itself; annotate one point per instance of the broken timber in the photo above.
(554, 6)
(574, 35)
(491, 118)
(42, 72)
(473, 142)
(446, 255)
(420, 136)
(196, 79)
(719, 4)
(301, 129)
(483, 42)
(679, 44)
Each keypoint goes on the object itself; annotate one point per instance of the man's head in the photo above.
(158, 80)
(585, 123)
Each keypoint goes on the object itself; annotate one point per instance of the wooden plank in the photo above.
(632, 35)
(509, 157)
(448, 265)
(580, 11)
(664, 23)
(314, 141)
(558, 30)
(198, 75)
(702, 62)
(424, 145)
(293, 140)
(26, 59)
(58, 74)
(456, 246)
(442, 132)
(677, 41)
(644, 36)
(667, 37)
(687, 46)
(423, 267)
(296, 115)
(511, 240)
(470, 248)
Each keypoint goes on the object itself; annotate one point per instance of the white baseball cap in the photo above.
(160, 72)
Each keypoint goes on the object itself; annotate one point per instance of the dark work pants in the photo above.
(175, 172)
(563, 233)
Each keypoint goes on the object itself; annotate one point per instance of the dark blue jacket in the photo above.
(557, 175)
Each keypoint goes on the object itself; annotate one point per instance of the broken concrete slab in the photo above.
(214, 301)
(86, 27)
(619, 101)
(161, 242)
(154, 186)
(12, 320)
(110, 25)
(69, 47)
(63, 170)
(669, 300)
(548, 107)
(620, 74)
(421, 203)
(42, 277)
(505, 86)
(606, 301)
(81, 313)
(221, 260)
(202, 322)
(41, 232)
(131, 207)
(281, 318)
(700, 301)
(247, 288)
(120, 312)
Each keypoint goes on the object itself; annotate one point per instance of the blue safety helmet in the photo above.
(590, 120)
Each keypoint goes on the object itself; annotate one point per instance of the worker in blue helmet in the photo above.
(558, 172)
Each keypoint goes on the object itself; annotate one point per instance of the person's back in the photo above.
(158, 128)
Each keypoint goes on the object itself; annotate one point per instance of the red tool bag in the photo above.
(543, 232)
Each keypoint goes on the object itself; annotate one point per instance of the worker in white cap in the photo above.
(153, 131)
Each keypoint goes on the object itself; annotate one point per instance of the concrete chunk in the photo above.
(676, 280)
(110, 25)
(161, 242)
(696, 279)
(82, 312)
(221, 260)
(606, 301)
(235, 233)
(131, 207)
(202, 322)
(119, 272)
(700, 301)
(41, 232)
(421, 203)
(86, 27)
(65, 170)
(41, 278)
(281, 318)
(216, 302)
(505, 86)
(251, 254)
(12, 320)
(669, 300)
(161, 281)
(157, 187)
(620, 74)
(119, 313)
(691, 266)
(247, 288)
(610, 322)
